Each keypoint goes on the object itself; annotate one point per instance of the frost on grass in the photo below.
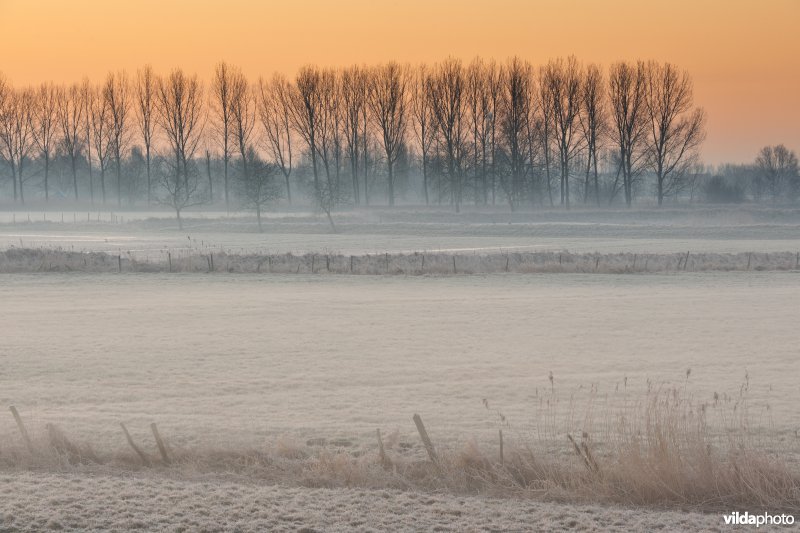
(28, 260)
(74, 502)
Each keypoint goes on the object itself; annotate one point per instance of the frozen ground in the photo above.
(114, 503)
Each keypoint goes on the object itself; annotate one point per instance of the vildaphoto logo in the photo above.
(758, 520)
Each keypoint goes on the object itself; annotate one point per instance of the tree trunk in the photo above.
(91, 186)
(14, 180)
(425, 178)
(21, 191)
(149, 179)
(103, 182)
(227, 204)
(547, 173)
(288, 188)
(46, 177)
(74, 176)
(586, 180)
(366, 178)
(208, 171)
(596, 182)
(119, 183)
(391, 182)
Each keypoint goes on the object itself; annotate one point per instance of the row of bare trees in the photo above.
(481, 132)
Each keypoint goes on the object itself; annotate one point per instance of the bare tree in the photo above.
(562, 81)
(258, 184)
(446, 88)
(310, 113)
(423, 122)
(388, 103)
(272, 101)
(594, 123)
(515, 102)
(71, 120)
(6, 144)
(243, 117)
(306, 112)
(6, 94)
(483, 90)
(87, 99)
(777, 168)
(146, 84)
(44, 123)
(16, 136)
(335, 152)
(676, 129)
(627, 86)
(116, 93)
(221, 117)
(354, 91)
(101, 136)
(544, 129)
(492, 87)
(475, 98)
(180, 114)
(329, 194)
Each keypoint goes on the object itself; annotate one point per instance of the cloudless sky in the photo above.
(744, 56)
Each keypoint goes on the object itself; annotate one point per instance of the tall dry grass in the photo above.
(658, 447)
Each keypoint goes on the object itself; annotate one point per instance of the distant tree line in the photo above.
(772, 178)
(448, 133)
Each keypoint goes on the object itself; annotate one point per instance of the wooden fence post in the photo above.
(133, 445)
(162, 449)
(502, 459)
(425, 439)
(22, 429)
(382, 451)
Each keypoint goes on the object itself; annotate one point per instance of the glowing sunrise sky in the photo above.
(744, 56)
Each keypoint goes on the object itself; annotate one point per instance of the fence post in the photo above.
(425, 439)
(22, 429)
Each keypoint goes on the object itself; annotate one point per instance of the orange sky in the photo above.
(743, 55)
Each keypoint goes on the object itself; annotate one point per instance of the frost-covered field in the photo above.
(247, 361)
(215, 358)
(148, 234)
(303, 363)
